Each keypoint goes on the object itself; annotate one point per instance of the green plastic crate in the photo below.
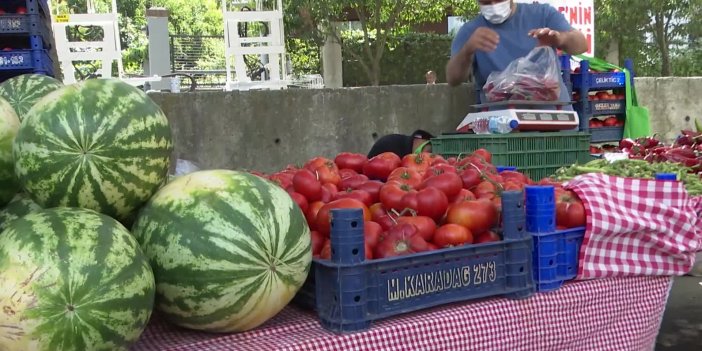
(538, 155)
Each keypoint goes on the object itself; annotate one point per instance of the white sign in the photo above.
(580, 14)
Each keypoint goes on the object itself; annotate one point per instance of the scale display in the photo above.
(529, 120)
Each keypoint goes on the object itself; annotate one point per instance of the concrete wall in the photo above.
(265, 130)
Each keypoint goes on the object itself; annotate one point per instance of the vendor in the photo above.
(401, 144)
(504, 32)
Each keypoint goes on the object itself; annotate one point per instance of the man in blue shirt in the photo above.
(504, 32)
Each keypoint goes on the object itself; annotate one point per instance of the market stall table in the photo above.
(608, 314)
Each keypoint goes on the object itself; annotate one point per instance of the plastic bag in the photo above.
(184, 167)
(535, 77)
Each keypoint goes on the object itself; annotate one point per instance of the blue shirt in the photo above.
(515, 41)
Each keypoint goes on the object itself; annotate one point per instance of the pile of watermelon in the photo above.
(220, 251)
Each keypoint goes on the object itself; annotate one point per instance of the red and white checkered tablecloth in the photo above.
(606, 314)
(636, 227)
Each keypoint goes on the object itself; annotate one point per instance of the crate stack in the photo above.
(25, 38)
(600, 100)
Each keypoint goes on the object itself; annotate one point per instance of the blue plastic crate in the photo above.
(35, 7)
(602, 107)
(31, 27)
(607, 134)
(349, 293)
(555, 257)
(26, 60)
(598, 81)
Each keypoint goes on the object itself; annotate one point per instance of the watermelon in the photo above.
(25, 90)
(20, 206)
(9, 125)
(72, 279)
(100, 144)
(229, 249)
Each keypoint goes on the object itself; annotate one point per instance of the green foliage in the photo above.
(305, 56)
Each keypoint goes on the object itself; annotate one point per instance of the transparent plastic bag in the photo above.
(534, 77)
(184, 167)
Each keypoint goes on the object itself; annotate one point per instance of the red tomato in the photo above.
(514, 176)
(418, 162)
(325, 254)
(512, 186)
(283, 179)
(402, 239)
(484, 154)
(478, 216)
(440, 168)
(432, 202)
(425, 225)
(359, 195)
(570, 212)
(325, 170)
(376, 210)
(317, 242)
(449, 183)
(610, 121)
(449, 235)
(21, 10)
(470, 178)
(372, 232)
(352, 182)
(380, 166)
(409, 201)
(485, 190)
(437, 159)
(311, 214)
(386, 221)
(323, 217)
(345, 173)
(487, 237)
(463, 195)
(407, 176)
(306, 183)
(372, 187)
(352, 161)
(300, 200)
(391, 196)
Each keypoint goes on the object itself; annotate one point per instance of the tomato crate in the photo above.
(32, 7)
(556, 252)
(24, 32)
(349, 292)
(607, 134)
(26, 60)
(538, 155)
(601, 107)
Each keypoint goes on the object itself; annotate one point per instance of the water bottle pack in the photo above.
(495, 125)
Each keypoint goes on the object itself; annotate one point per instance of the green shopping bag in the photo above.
(638, 120)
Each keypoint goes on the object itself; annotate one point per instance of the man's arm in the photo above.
(463, 49)
(573, 42)
(458, 67)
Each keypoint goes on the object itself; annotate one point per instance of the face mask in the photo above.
(497, 13)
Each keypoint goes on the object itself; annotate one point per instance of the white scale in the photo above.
(530, 117)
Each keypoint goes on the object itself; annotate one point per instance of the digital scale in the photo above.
(530, 117)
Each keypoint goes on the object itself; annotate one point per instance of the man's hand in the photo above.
(548, 37)
(483, 39)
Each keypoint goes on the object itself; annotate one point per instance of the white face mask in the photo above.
(497, 13)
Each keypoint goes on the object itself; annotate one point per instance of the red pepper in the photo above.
(648, 142)
(627, 143)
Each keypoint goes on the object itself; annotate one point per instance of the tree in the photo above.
(378, 19)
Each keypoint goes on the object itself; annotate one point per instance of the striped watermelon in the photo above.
(229, 249)
(20, 206)
(25, 90)
(72, 279)
(99, 144)
(9, 125)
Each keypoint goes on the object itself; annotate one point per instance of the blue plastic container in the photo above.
(25, 32)
(556, 257)
(33, 7)
(667, 176)
(26, 60)
(607, 134)
(501, 169)
(350, 292)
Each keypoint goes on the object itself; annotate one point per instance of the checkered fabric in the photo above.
(609, 314)
(636, 227)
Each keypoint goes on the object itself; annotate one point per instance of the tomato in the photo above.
(570, 212)
(345, 173)
(407, 176)
(439, 169)
(316, 162)
(283, 179)
(485, 190)
(478, 216)
(21, 10)
(359, 195)
(372, 232)
(409, 201)
(514, 176)
(401, 239)
(484, 154)
(487, 237)
(602, 95)
(425, 225)
(470, 178)
(352, 182)
(436, 159)
(306, 183)
(323, 217)
(452, 161)
(380, 166)
(463, 195)
(325, 254)
(418, 162)
(352, 161)
(372, 187)
(376, 210)
(311, 214)
(432, 202)
(386, 221)
(317, 242)
(329, 192)
(512, 186)
(300, 200)
(391, 196)
(610, 122)
(449, 183)
(328, 174)
(449, 235)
